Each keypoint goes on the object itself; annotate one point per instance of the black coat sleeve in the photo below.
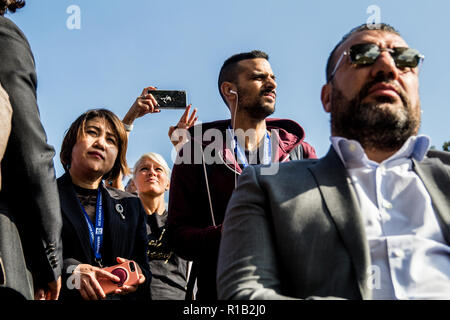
(29, 183)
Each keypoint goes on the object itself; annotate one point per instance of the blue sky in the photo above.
(123, 46)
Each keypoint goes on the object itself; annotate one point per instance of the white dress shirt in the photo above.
(410, 258)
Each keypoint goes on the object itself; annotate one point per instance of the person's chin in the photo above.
(99, 170)
(380, 99)
(269, 107)
(383, 104)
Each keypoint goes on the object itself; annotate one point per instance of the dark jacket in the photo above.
(124, 234)
(311, 242)
(30, 216)
(191, 231)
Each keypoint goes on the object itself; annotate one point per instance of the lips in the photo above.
(384, 89)
(96, 154)
(271, 94)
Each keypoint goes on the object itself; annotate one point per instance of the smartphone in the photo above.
(169, 99)
(127, 272)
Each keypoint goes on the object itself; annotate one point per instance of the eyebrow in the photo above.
(147, 165)
(262, 73)
(108, 133)
(92, 126)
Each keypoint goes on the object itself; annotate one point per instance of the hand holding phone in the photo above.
(127, 272)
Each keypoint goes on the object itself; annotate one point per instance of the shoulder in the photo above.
(274, 172)
(302, 164)
(309, 151)
(444, 156)
(64, 181)
(218, 124)
(9, 31)
(122, 201)
(8, 25)
(298, 169)
(120, 194)
(292, 136)
(17, 66)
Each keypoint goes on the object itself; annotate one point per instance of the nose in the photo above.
(100, 142)
(272, 83)
(385, 65)
(152, 171)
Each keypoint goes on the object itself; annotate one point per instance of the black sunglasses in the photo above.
(365, 54)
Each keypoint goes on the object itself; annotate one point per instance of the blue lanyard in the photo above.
(240, 154)
(96, 234)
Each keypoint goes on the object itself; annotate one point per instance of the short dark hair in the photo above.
(363, 27)
(76, 130)
(230, 70)
(10, 5)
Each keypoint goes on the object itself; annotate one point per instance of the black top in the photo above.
(168, 270)
(88, 199)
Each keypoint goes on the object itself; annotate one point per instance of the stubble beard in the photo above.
(375, 125)
(256, 109)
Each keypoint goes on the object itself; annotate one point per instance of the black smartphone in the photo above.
(169, 99)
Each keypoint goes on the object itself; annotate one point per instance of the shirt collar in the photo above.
(353, 156)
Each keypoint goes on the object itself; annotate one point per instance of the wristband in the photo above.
(128, 127)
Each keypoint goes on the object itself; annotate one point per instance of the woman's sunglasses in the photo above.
(365, 54)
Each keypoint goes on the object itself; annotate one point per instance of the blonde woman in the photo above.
(151, 177)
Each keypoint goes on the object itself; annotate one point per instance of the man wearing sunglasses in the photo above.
(371, 219)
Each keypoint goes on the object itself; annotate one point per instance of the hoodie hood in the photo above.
(289, 135)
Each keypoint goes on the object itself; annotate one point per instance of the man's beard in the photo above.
(255, 108)
(374, 126)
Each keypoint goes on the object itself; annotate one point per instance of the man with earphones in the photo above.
(371, 219)
(200, 190)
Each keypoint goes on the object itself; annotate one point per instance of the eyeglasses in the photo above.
(365, 54)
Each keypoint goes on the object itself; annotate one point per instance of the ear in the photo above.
(225, 88)
(325, 96)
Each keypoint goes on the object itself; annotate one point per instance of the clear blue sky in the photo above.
(123, 46)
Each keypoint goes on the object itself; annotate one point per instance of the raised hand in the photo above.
(179, 137)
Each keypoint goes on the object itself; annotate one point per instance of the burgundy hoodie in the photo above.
(191, 231)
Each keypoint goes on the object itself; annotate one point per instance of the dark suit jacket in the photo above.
(30, 216)
(125, 238)
(300, 234)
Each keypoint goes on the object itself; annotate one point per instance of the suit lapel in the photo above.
(342, 204)
(437, 181)
(72, 210)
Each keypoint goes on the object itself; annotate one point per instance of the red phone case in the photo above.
(124, 272)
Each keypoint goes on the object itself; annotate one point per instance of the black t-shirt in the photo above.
(168, 270)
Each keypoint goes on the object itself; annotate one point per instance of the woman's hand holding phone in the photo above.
(125, 289)
(90, 288)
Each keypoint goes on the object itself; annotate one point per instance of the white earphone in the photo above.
(233, 141)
